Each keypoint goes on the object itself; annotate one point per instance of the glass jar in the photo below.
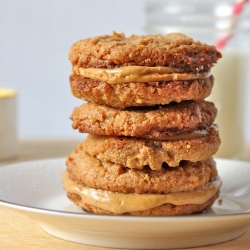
(211, 21)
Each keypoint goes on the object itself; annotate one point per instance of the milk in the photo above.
(229, 95)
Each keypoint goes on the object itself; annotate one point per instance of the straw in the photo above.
(238, 7)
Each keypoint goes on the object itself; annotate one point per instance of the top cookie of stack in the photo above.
(151, 131)
(141, 70)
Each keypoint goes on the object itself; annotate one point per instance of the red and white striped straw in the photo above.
(238, 7)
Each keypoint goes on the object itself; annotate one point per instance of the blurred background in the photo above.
(35, 37)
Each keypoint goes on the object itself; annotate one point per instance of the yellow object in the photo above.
(5, 93)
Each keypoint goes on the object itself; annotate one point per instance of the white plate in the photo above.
(35, 189)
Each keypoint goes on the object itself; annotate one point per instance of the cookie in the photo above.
(173, 50)
(138, 153)
(154, 122)
(141, 70)
(93, 173)
(138, 93)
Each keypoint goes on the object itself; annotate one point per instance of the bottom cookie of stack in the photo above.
(107, 188)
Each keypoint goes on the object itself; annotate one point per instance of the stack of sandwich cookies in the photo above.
(151, 133)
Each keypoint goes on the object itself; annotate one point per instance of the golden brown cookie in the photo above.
(141, 70)
(139, 93)
(154, 122)
(174, 50)
(93, 173)
(138, 153)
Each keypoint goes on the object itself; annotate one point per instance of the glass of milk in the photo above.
(230, 93)
(209, 21)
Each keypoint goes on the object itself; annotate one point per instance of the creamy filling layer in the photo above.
(184, 136)
(120, 203)
(137, 74)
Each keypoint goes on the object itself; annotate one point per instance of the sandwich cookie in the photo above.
(121, 71)
(108, 188)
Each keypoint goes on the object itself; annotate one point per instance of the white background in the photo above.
(35, 37)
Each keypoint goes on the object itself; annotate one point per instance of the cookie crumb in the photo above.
(220, 202)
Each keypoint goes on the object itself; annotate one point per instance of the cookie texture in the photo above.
(139, 93)
(150, 129)
(93, 173)
(162, 210)
(138, 153)
(175, 50)
(151, 122)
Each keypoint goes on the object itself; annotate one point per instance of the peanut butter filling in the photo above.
(184, 136)
(137, 74)
(120, 203)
